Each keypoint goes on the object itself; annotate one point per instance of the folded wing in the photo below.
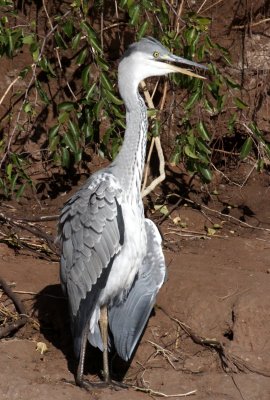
(91, 231)
(128, 319)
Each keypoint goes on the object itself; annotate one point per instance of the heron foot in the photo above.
(117, 385)
(88, 385)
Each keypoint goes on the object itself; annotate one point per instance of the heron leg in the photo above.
(79, 379)
(103, 323)
(79, 375)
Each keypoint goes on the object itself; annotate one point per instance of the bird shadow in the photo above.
(51, 308)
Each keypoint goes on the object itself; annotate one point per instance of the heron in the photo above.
(112, 264)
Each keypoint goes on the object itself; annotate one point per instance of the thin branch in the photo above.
(160, 394)
(198, 206)
(9, 87)
(156, 141)
(211, 6)
(262, 21)
(21, 321)
(50, 240)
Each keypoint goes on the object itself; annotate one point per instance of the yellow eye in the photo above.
(156, 54)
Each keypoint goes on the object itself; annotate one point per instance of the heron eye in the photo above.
(156, 54)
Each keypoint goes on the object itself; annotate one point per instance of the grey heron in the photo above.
(112, 263)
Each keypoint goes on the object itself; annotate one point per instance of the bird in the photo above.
(112, 263)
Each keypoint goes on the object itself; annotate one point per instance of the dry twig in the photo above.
(160, 394)
(23, 317)
(156, 141)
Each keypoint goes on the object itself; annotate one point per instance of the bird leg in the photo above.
(80, 380)
(79, 376)
(84, 383)
(103, 323)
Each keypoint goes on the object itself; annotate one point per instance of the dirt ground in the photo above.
(209, 332)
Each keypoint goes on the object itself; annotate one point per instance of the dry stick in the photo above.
(32, 229)
(212, 5)
(9, 87)
(227, 216)
(201, 6)
(229, 361)
(177, 18)
(15, 325)
(262, 21)
(156, 141)
(198, 206)
(39, 219)
(160, 394)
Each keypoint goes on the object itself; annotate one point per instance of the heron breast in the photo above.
(129, 259)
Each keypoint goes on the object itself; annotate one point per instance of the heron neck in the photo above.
(130, 160)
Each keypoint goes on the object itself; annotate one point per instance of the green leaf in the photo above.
(53, 143)
(102, 63)
(221, 102)
(192, 100)
(20, 191)
(246, 148)
(95, 44)
(189, 152)
(112, 98)
(66, 106)
(105, 81)
(24, 72)
(203, 21)
(239, 103)
(203, 131)
(29, 39)
(41, 92)
(63, 117)
(205, 172)
(82, 56)
(156, 128)
(65, 156)
(202, 146)
(85, 76)
(60, 41)
(9, 170)
(142, 30)
(209, 106)
(68, 28)
(116, 111)
(53, 131)
(35, 55)
(162, 209)
(90, 92)
(68, 139)
(175, 158)
(232, 84)
(134, 14)
(76, 40)
(27, 107)
(75, 131)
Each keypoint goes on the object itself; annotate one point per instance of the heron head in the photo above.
(149, 57)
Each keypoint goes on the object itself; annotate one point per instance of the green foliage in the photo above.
(71, 56)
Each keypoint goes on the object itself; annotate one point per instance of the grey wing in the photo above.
(128, 319)
(91, 231)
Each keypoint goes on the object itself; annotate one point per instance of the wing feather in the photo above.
(91, 231)
(128, 319)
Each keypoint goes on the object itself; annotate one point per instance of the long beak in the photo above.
(185, 71)
(174, 68)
